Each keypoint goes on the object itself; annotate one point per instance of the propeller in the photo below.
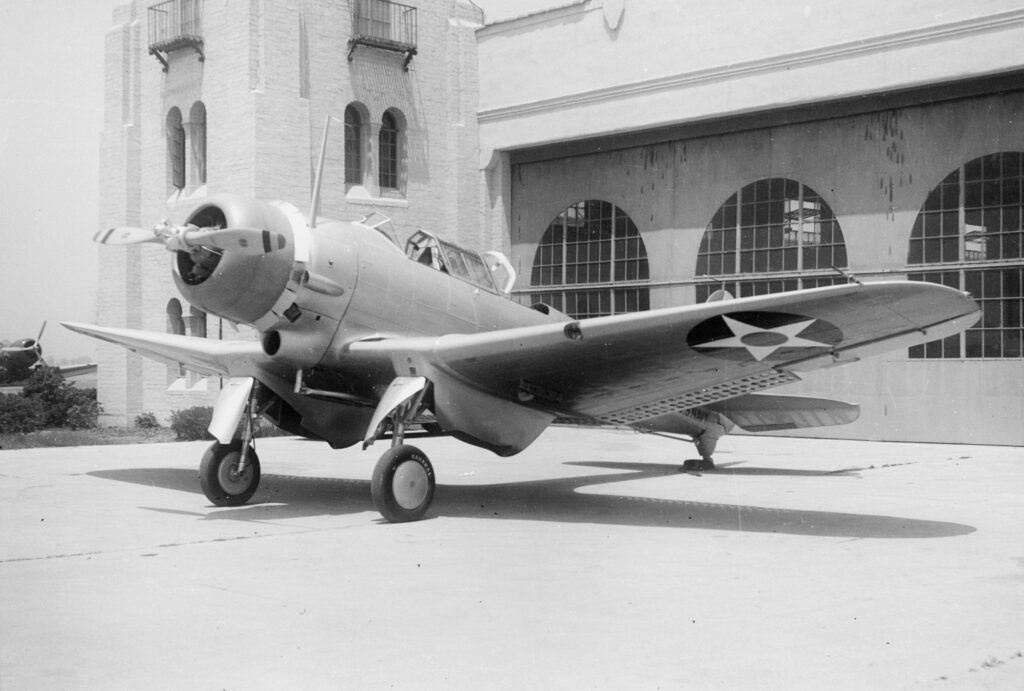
(187, 238)
(27, 352)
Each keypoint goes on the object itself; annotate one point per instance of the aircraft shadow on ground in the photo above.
(283, 497)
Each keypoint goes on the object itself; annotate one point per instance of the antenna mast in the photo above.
(314, 203)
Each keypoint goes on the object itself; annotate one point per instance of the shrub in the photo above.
(190, 424)
(146, 421)
(83, 413)
(19, 414)
(48, 401)
(63, 404)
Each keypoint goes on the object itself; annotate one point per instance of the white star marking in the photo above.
(761, 343)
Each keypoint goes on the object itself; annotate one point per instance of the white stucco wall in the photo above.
(588, 68)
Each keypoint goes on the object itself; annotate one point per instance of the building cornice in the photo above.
(967, 28)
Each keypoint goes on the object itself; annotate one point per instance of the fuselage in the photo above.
(332, 285)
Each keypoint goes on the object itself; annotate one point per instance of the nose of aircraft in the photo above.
(238, 285)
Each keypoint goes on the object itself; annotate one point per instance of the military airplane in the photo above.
(362, 339)
(19, 358)
(21, 355)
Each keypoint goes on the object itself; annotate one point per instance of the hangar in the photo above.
(649, 154)
(627, 155)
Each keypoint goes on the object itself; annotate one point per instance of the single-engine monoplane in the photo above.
(363, 338)
(19, 358)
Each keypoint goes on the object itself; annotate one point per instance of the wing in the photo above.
(206, 356)
(628, 368)
(240, 361)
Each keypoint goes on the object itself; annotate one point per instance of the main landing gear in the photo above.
(230, 473)
(403, 481)
(402, 484)
(228, 476)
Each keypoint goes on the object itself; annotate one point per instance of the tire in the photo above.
(403, 484)
(217, 476)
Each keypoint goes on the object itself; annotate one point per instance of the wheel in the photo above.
(697, 464)
(219, 477)
(402, 484)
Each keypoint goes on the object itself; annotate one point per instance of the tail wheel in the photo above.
(403, 484)
(222, 484)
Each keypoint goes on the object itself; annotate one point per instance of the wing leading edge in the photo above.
(202, 355)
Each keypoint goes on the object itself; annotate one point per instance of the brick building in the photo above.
(203, 98)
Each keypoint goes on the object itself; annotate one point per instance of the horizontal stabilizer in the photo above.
(769, 412)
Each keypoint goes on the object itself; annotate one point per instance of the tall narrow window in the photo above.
(197, 137)
(388, 150)
(969, 234)
(196, 322)
(176, 326)
(303, 57)
(592, 243)
(778, 230)
(175, 149)
(353, 146)
(175, 321)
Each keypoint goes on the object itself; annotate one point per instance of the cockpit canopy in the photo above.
(426, 248)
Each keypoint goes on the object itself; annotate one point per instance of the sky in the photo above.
(51, 116)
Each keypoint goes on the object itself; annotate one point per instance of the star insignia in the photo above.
(763, 342)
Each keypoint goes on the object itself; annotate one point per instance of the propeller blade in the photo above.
(125, 235)
(41, 330)
(240, 240)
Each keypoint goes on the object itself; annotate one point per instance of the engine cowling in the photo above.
(235, 286)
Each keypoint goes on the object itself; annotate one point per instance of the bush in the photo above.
(190, 424)
(49, 401)
(83, 413)
(146, 421)
(19, 414)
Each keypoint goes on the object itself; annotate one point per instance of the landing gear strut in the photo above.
(403, 481)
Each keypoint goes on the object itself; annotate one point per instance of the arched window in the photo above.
(197, 137)
(175, 322)
(388, 152)
(969, 235)
(593, 257)
(175, 149)
(779, 231)
(353, 146)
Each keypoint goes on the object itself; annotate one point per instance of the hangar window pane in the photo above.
(772, 226)
(592, 242)
(973, 219)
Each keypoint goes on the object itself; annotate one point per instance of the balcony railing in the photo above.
(175, 24)
(384, 24)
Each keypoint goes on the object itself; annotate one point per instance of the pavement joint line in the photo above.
(169, 545)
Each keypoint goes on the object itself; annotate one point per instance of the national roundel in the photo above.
(763, 336)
